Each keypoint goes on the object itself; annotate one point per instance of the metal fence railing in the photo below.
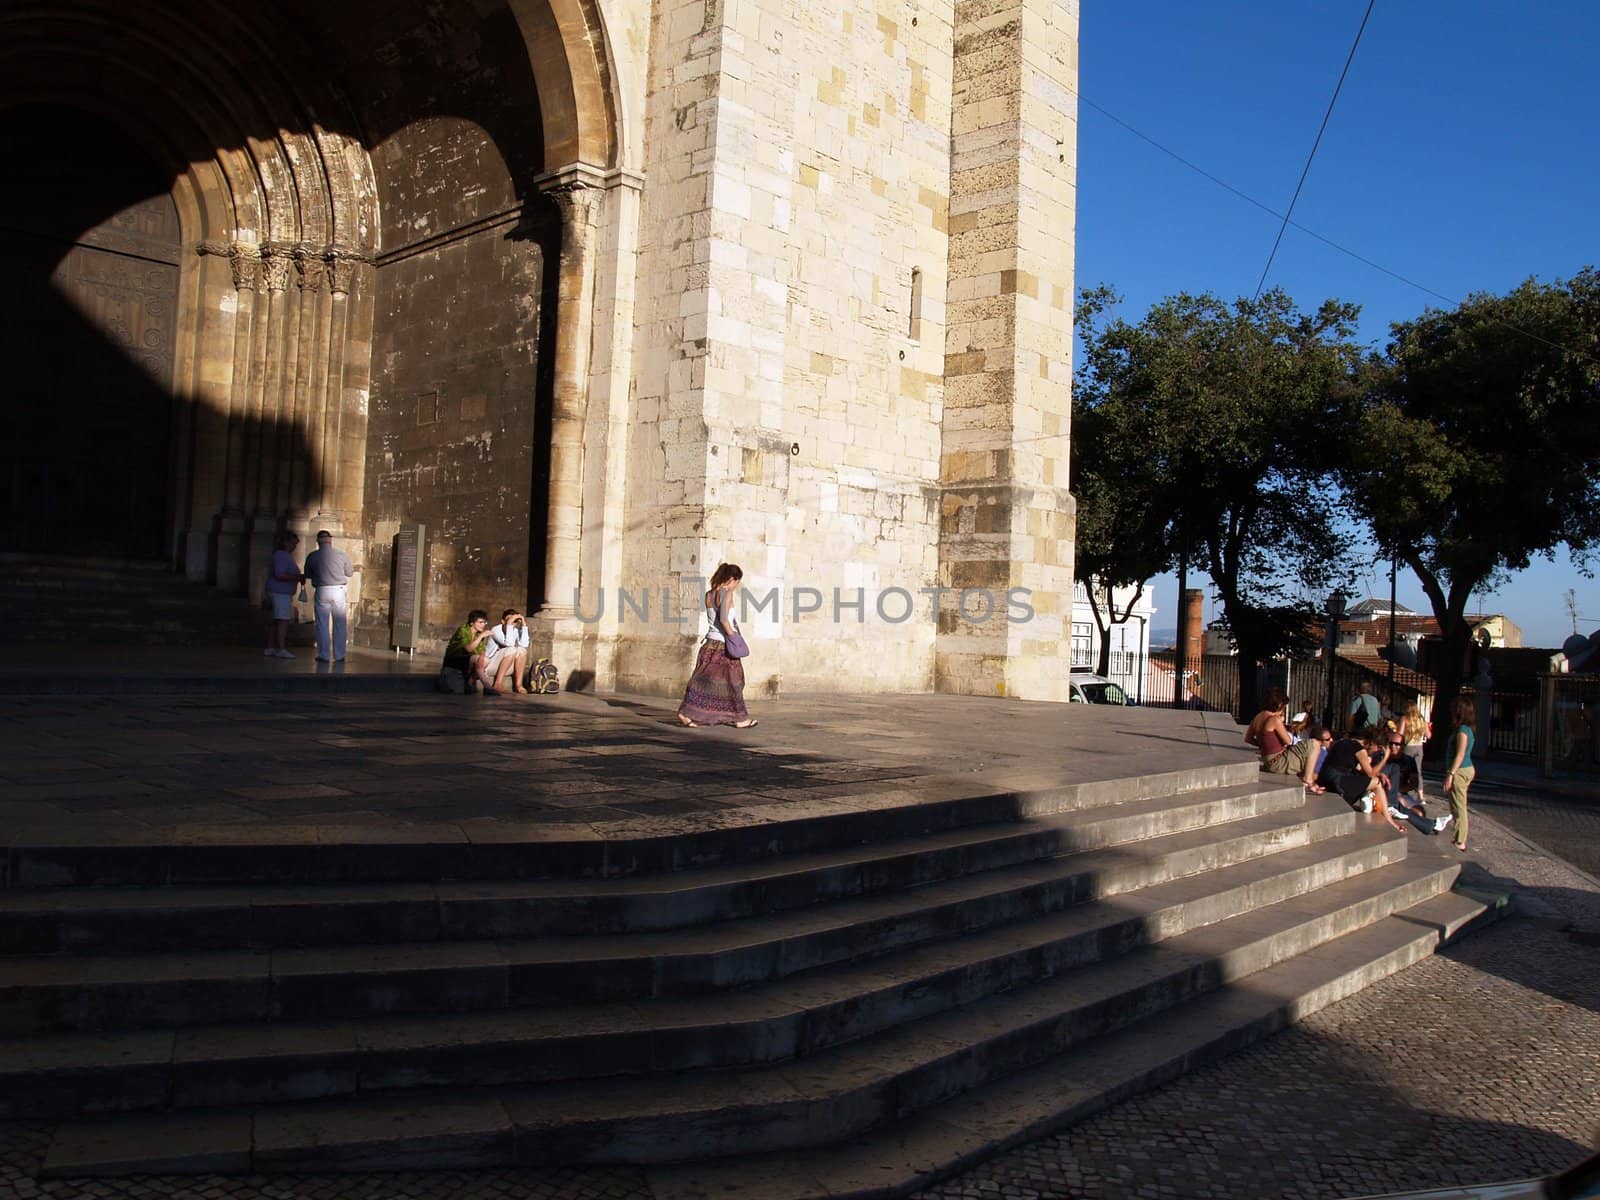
(1214, 685)
(1569, 726)
(1513, 722)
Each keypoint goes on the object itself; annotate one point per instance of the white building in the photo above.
(1130, 639)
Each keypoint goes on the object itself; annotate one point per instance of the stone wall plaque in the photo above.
(405, 612)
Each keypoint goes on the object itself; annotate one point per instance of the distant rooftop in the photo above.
(1373, 607)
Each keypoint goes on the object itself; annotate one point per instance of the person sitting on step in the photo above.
(507, 650)
(467, 652)
(1403, 788)
(1350, 771)
(1281, 753)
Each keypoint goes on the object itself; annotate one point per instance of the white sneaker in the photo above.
(269, 652)
(1440, 823)
(1364, 805)
(283, 654)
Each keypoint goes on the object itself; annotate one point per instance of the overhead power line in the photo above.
(1452, 301)
(1306, 170)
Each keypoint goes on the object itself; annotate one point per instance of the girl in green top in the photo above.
(1458, 778)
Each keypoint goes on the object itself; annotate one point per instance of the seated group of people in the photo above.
(486, 654)
(1368, 766)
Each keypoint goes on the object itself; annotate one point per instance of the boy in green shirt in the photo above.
(467, 651)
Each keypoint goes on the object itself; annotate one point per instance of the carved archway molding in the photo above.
(267, 196)
(277, 197)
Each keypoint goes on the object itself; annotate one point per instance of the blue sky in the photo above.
(1463, 154)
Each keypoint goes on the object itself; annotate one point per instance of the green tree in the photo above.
(1125, 499)
(1479, 448)
(1239, 408)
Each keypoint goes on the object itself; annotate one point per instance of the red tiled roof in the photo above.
(1368, 658)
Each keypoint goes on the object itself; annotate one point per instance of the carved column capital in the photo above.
(244, 260)
(275, 263)
(577, 192)
(342, 271)
(312, 270)
(578, 203)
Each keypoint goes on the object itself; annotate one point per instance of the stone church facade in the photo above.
(603, 292)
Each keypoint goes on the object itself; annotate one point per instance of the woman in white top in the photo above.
(715, 695)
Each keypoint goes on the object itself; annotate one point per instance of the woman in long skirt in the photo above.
(715, 695)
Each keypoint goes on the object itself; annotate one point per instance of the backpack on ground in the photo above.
(451, 680)
(543, 679)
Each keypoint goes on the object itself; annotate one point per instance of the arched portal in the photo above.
(354, 266)
(91, 257)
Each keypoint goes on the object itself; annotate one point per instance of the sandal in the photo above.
(750, 724)
(686, 723)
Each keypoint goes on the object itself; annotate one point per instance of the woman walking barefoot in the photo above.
(1458, 778)
(715, 695)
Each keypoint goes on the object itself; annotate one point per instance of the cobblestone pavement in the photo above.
(1565, 823)
(1478, 1064)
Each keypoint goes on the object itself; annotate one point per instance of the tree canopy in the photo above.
(1233, 418)
(1479, 444)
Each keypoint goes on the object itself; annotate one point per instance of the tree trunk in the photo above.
(1249, 676)
(1448, 676)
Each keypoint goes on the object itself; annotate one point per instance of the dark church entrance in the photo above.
(87, 333)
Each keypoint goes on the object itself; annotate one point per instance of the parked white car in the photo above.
(1096, 689)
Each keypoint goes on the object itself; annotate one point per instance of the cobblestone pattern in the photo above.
(22, 1148)
(1481, 1063)
(1565, 824)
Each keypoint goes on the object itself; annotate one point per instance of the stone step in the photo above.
(240, 853)
(265, 682)
(795, 1015)
(108, 602)
(190, 918)
(904, 1156)
(826, 1097)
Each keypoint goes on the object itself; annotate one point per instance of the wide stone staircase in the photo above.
(115, 602)
(854, 1000)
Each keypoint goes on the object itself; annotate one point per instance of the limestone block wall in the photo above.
(1006, 512)
(789, 401)
(452, 439)
(449, 396)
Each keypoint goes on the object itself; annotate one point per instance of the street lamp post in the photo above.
(1335, 611)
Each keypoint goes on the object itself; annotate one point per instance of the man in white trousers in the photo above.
(329, 570)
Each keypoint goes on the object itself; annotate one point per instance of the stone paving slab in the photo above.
(368, 767)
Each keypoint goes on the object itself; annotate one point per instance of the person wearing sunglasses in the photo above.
(1404, 784)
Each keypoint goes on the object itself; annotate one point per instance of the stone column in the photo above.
(310, 365)
(268, 351)
(204, 320)
(231, 553)
(341, 280)
(1007, 520)
(609, 423)
(577, 192)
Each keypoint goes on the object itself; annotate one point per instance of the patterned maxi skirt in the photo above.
(715, 695)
